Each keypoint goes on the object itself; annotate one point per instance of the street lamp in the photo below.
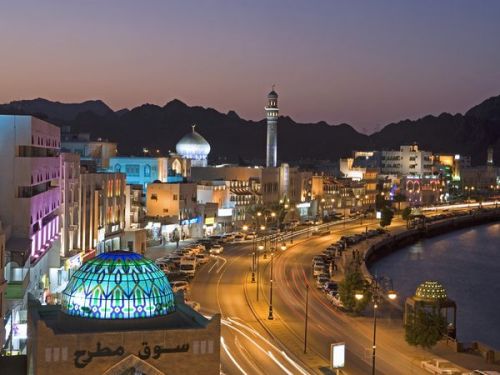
(260, 248)
(377, 292)
(270, 316)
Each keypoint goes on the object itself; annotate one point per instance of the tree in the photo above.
(352, 283)
(425, 328)
(405, 214)
(386, 218)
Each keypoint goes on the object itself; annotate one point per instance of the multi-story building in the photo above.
(102, 211)
(98, 150)
(144, 170)
(408, 160)
(29, 200)
(172, 209)
(284, 183)
(70, 202)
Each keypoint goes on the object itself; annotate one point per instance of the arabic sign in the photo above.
(84, 357)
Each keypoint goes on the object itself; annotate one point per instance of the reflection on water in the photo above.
(467, 263)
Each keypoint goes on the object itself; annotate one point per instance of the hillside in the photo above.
(233, 138)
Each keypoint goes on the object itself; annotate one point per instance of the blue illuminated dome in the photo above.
(118, 285)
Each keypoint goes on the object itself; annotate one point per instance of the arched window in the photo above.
(147, 171)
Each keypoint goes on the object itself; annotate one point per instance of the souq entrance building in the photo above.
(119, 316)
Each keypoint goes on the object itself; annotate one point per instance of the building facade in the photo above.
(129, 323)
(102, 211)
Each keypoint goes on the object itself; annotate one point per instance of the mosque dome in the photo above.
(193, 146)
(118, 285)
(430, 291)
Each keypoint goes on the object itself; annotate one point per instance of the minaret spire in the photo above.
(272, 113)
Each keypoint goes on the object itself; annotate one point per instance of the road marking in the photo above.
(223, 264)
(271, 355)
(213, 265)
(226, 349)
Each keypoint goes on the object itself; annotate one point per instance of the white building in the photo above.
(29, 201)
(408, 160)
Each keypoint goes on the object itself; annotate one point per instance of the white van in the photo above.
(188, 266)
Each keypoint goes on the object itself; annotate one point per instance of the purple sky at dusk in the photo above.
(366, 63)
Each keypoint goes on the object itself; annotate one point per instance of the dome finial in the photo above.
(272, 86)
(193, 126)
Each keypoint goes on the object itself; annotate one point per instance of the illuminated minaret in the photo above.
(272, 112)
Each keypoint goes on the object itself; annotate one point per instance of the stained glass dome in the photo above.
(118, 285)
(430, 291)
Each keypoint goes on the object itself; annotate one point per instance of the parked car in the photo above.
(201, 258)
(216, 249)
(330, 286)
(188, 266)
(334, 298)
(439, 366)
(321, 280)
(318, 269)
(179, 285)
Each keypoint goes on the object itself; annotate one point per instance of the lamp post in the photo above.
(307, 318)
(270, 316)
(377, 294)
(259, 248)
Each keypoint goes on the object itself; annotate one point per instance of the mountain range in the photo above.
(234, 139)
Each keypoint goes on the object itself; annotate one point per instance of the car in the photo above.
(317, 258)
(239, 238)
(334, 298)
(188, 266)
(201, 258)
(321, 280)
(330, 286)
(251, 236)
(162, 260)
(308, 222)
(439, 366)
(318, 269)
(175, 259)
(179, 285)
(228, 237)
(216, 249)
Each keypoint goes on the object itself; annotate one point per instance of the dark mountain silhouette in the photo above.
(56, 110)
(234, 139)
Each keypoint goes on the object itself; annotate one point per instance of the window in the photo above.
(147, 171)
(118, 167)
(132, 170)
(175, 197)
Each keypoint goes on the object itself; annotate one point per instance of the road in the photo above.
(246, 347)
(292, 271)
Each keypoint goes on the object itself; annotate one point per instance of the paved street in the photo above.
(251, 344)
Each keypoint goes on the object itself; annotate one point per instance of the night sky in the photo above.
(366, 63)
